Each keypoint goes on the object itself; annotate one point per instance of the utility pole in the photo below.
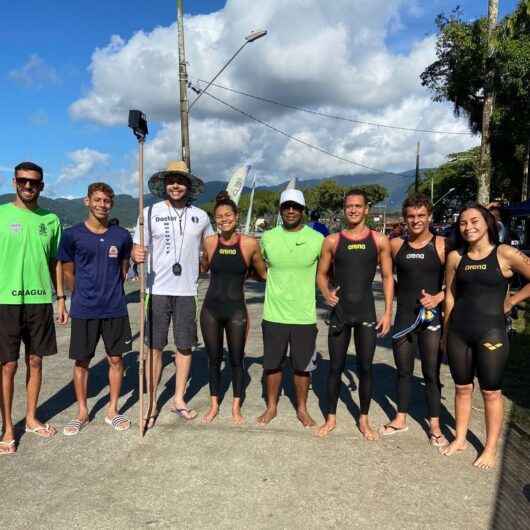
(183, 82)
(417, 179)
(484, 173)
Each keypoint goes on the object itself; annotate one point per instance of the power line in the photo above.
(294, 138)
(331, 116)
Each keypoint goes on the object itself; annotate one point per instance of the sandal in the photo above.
(10, 448)
(118, 423)
(390, 430)
(438, 440)
(43, 428)
(74, 427)
(186, 413)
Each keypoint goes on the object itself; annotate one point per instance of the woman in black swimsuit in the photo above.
(228, 256)
(476, 302)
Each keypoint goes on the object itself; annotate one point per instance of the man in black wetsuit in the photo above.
(419, 262)
(349, 261)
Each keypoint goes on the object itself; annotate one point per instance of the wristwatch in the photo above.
(62, 297)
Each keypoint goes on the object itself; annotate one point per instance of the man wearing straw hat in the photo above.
(173, 232)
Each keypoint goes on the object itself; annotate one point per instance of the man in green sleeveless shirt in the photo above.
(29, 238)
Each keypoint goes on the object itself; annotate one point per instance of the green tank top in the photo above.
(29, 241)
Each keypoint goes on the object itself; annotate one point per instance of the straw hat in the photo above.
(157, 182)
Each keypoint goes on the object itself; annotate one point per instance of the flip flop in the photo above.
(393, 430)
(438, 441)
(118, 423)
(38, 430)
(185, 413)
(10, 448)
(74, 427)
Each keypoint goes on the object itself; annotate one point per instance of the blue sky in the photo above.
(44, 69)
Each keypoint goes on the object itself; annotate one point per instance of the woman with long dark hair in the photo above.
(476, 302)
(228, 256)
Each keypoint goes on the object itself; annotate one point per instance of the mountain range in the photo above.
(72, 211)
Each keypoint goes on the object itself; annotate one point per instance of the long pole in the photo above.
(141, 355)
(417, 177)
(484, 173)
(183, 83)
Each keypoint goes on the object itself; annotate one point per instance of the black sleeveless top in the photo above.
(354, 266)
(417, 269)
(228, 270)
(480, 290)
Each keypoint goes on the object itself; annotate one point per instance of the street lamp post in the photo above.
(253, 36)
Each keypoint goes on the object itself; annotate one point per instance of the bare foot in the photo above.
(325, 429)
(152, 420)
(453, 448)
(237, 419)
(369, 434)
(305, 419)
(267, 417)
(487, 460)
(210, 415)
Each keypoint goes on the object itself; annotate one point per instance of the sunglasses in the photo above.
(23, 182)
(292, 205)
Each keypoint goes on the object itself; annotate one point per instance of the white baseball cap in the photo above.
(292, 196)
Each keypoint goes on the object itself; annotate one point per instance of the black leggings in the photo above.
(364, 336)
(430, 355)
(213, 325)
(486, 357)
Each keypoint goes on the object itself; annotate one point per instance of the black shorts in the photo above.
(300, 339)
(86, 332)
(161, 310)
(31, 324)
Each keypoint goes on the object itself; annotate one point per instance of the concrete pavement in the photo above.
(188, 475)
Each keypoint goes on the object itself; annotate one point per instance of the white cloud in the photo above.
(85, 164)
(330, 57)
(35, 72)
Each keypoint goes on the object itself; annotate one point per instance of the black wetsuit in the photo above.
(477, 343)
(417, 269)
(224, 310)
(354, 266)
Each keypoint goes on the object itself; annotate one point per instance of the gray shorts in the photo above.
(161, 309)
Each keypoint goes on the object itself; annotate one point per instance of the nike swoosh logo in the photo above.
(298, 243)
(128, 341)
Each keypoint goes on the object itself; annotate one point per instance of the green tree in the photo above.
(459, 75)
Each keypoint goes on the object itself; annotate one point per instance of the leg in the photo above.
(462, 367)
(115, 382)
(429, 345)
(404, 360)
(275, 343)
(338, 349)
(9, 369)
(365, 339)
(212, 334)
(273, 382)
(491, 360)
(185, 334)
(236, 335)
(301, 385)
(33, 385)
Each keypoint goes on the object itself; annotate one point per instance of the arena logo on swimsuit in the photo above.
(414, 255)
(482, 267)
(229, 251)
(357, 246)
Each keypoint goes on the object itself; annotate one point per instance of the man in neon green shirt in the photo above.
(289, 314)
(29, 239)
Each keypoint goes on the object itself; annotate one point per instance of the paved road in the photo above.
(189, 475)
